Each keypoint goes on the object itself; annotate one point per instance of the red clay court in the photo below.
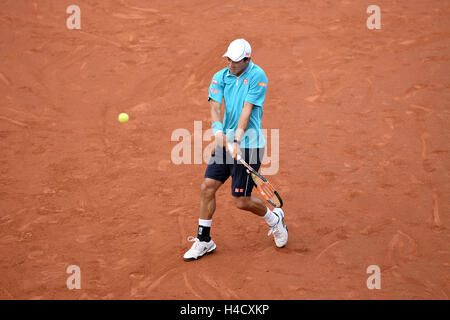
(364, 169)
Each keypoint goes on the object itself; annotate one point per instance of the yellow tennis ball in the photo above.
(123, 117)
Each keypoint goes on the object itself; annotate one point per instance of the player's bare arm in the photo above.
(242, 127)
(216, 116)
(216, 111)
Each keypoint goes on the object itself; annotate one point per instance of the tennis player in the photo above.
(242, 85)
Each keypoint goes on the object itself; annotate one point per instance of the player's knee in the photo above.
(242, 203)
(207, 188)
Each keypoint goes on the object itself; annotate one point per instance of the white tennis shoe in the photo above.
(279, 230)
(199, 249)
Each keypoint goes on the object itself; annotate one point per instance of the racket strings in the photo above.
(270, 196)
(265, 189)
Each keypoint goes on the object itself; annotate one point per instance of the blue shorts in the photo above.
(221, 166)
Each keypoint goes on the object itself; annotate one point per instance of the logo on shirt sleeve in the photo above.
(214, 81)
(262, 84)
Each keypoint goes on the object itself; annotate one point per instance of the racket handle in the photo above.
(230, 147)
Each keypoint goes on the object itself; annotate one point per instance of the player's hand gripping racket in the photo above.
(262, 185)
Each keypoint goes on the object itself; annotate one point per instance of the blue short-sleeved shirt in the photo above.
(250, 86)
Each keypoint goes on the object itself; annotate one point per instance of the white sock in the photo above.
(204, 223)
(271, 218)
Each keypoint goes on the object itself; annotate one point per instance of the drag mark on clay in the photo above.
(136, 291)
(426, 163)
(128, 16)
(156, 283)
(28, 114)
(423, 138)
(397, 248)
(146, 285)
(13, 121)
(5, 79)
(326, 249)
(181, 230)
(436, 220)
(177, 213)
(219, 287)
(415, 106)
(117, 44)
(124, 3)
(213, 284)
(189, 286)
(317, 87)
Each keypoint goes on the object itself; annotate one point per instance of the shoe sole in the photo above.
(206, 253)
(284, 245)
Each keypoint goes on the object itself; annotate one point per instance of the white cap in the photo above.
(238, 50)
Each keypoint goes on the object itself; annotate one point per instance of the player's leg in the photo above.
(208, 198)
(208, 191)
(274, 219)
(252, 204)
(216, 174)
(242, 186)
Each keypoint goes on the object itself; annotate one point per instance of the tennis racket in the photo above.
(263, 186)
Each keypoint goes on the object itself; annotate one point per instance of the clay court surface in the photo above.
(363, 118)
